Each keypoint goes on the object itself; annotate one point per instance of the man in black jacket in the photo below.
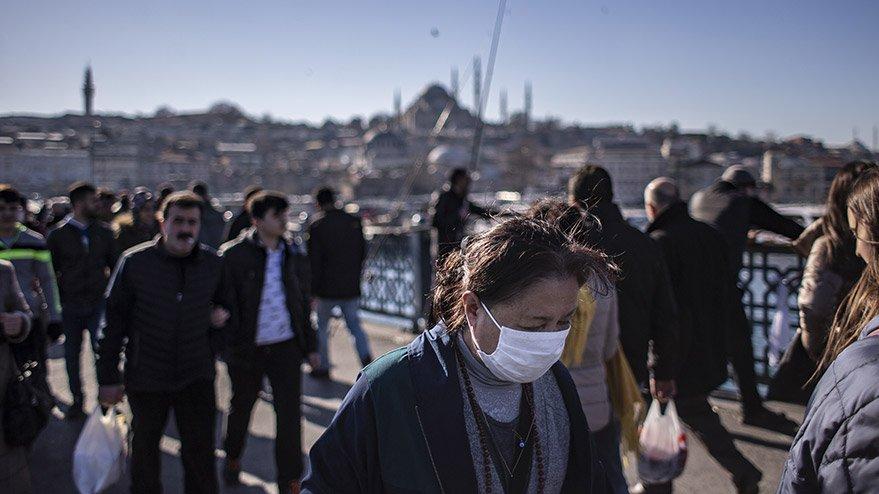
(646, 304)
(695, 254)
(242, 220)
(83, 255)
(160, 312)
(265, 281)
(450, 211)
(337, 249)
(730, 205)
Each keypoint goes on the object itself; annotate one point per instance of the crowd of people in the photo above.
(162, 286)
(553, 329)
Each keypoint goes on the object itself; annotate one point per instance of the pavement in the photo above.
(51, 457)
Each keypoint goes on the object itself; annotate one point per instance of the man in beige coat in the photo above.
(15, 320)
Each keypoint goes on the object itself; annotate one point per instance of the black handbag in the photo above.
(791, 380)
(25, 409)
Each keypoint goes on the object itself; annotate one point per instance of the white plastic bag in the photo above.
(780, 333)
(663, 445)
(101, 452)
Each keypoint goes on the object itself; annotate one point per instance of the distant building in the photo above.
(88, 92)
(694, 175)
(116, 165)
(423, 114)
(632, 164)
(176, 168)
(48, 170)
(794, 179)
(383, 149)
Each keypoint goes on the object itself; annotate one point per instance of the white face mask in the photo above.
(522, 356)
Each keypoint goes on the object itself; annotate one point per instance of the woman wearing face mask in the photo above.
(835, 449)
(480, 402)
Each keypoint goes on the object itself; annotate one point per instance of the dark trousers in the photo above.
(703, 421)
(76, 319)
(281, 363)
(741, 355)
(195, 413)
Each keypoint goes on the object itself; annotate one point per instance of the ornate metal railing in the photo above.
(397, 281)
(397, 273)
(769, 271)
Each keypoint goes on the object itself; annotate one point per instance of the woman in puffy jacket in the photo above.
(832, 269)
(835, 449)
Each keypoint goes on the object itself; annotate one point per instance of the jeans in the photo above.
(349, 308)
(607, 449)
(281, 363)
(195, 411)
(76, 318)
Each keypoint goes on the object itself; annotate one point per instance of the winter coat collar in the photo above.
(440, 409)
(671, 214)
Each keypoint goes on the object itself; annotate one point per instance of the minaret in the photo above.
(88, 91)
(454, 85)
(477, 85)
(398, 104)
(527, 109)
(504, 111)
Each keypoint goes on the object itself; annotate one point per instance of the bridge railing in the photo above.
(398, 276)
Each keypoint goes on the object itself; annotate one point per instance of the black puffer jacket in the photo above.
(159, 312)
(646, 301)
(244, 266)
(695, 255)
(82, 272)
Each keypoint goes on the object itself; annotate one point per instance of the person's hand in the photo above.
(219, 316)
(663, 390)
(111, 395)
(12, 324)
(314, 360)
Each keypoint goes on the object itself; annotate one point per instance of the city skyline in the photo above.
(790, 68)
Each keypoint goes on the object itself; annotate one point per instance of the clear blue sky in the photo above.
(790, 66)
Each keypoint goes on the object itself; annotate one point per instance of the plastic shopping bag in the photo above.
(780, 333)
(101, 452)
(663, 444)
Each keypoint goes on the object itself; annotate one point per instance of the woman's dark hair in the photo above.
(265, 201)
(862, 303)
(834, 223)
(513, 255)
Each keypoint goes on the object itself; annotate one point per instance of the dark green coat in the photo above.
(401, 429)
